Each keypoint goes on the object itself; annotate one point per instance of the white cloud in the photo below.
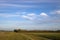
(55, 12)
(35, 17)
(30, 16)
(40, 18)
(43, 14)
(58, 12)
(27, 17)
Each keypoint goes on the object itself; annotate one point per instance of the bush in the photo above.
(15, 30)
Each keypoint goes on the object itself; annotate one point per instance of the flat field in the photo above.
(29, 36)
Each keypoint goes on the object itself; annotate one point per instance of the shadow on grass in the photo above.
(49, 37)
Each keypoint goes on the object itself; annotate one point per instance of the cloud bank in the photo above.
(42, 17)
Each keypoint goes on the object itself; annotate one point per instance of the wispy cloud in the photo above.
(29, 1)
(30, 16)
(37, 21)
(39, 18)
(8, 15)
(34, 16)
(18, 5)
(43, 17)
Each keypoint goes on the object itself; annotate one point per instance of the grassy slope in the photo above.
(28, 36)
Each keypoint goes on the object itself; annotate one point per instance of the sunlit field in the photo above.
(29, 36)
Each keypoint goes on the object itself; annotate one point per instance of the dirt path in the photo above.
(30, 38)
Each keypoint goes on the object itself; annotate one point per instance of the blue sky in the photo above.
(30, 14)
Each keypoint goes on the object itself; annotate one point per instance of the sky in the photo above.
(30, 14)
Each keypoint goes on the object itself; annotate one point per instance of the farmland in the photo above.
(29, 36)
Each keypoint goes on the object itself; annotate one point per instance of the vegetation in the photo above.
(29, 35)
(19, 30)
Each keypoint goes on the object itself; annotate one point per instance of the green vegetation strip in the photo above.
(50, 36)
(36, 37)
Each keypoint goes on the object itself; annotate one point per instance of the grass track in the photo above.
(29, 36)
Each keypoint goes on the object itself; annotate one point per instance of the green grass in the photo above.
(51, 36)
(12, 36)
(29, 36)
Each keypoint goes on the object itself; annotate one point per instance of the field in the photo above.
(29, 36)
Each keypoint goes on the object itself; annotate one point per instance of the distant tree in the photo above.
(15, 30)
